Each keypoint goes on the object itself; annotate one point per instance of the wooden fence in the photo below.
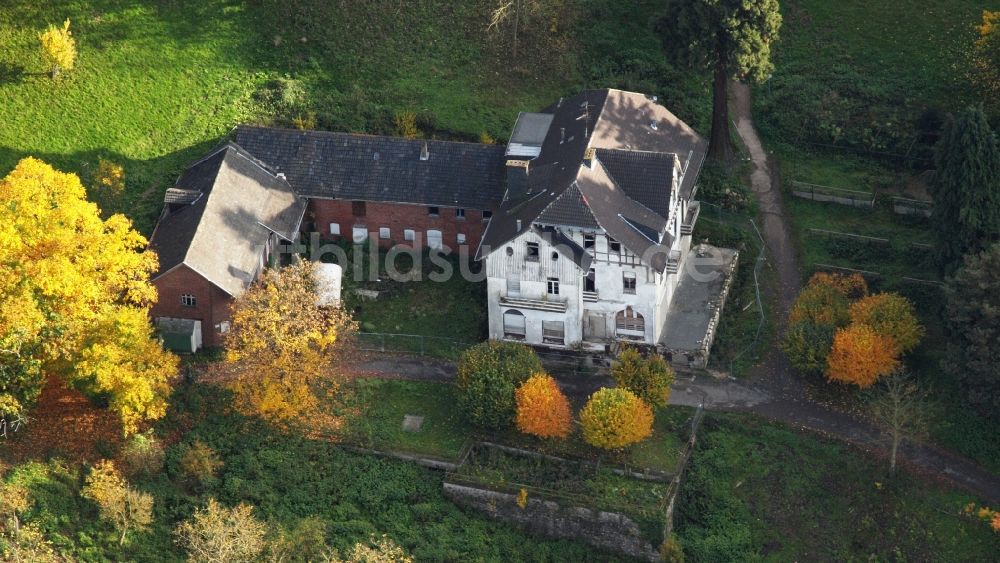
(816, 192)
(906, 206)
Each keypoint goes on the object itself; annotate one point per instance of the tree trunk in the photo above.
(895, 448)
(720, 146)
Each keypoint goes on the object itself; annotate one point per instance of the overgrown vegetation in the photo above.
(287, 478)
(758, 490)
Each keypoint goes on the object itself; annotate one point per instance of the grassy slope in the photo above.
(158, 82)
(758, 489)
(882, 66)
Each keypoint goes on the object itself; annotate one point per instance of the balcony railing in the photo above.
(534, 304)
(673, 262)
(694, 208)
(590, 297)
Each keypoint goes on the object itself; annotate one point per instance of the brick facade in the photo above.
(211, 303)
(397, 217)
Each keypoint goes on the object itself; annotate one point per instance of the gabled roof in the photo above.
(323, 164)
(221, 233)
(609, 160)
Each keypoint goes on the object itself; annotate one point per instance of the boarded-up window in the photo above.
(358, 208)
(532, 255)
(513, 324)
(409, 234)
(629, 324)
(334, 228)
(359, 234)
(513, 287)
(554, 332)
(434, 239)
(384, 233)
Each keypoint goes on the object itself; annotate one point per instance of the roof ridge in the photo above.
(323, 132)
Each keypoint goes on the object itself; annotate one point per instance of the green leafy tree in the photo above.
(488, 375)
(649, 378)
(733, 38)
(972, 300)
(807, 345)
(966, 187)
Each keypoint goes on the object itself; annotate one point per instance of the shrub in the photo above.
(650, 378)
(488, 375)
(126, 508)
(199, 464)
(380, 550)
(405, 124)
(222, 535)
(143, 455)
(807, 346)
(58, 48)
(614, 418)
(860, 355)
(542, 409)
(892, 315)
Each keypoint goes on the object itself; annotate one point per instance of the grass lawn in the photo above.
(375, 410)
(857, 74)
(756, 490)
(158, 82)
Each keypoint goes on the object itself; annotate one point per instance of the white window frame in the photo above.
(460, 237)
(460, 213)
(384, 233)
(552, 286)
(188, 300)
(335, 229)
(359, 234)
(409, 235)
(626, 278)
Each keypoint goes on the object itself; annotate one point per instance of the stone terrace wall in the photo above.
(607, 530)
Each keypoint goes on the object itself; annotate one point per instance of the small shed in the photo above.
(328, 281)
(180, 335)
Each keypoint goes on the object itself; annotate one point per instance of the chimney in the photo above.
(519, 225)
(562, 135)
(589, 157)
(424, 152)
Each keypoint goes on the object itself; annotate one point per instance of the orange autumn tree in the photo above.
(860, 356)
(821, 308)
(542, 409)
(892, 315)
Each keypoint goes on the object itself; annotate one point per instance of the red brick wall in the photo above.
(212, 303)
(397, 217)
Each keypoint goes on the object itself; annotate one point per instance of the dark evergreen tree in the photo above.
(973, 320)
(733, 38)
(966, 187)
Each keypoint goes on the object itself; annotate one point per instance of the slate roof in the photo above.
(322, 164)
(222, 234)
(608, 161)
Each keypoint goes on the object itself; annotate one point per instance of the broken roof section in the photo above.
(221, 215)
(609, 159)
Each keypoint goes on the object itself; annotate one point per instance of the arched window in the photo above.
(629, 324)
(513, 324)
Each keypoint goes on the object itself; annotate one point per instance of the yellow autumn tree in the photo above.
(860, 356)
(76, 294)
(614, 418)
(985, 59)
(890, 314)
(542, 409)
(58, 48)
(282, 343)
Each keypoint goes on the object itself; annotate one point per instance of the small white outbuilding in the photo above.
(328, 281)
